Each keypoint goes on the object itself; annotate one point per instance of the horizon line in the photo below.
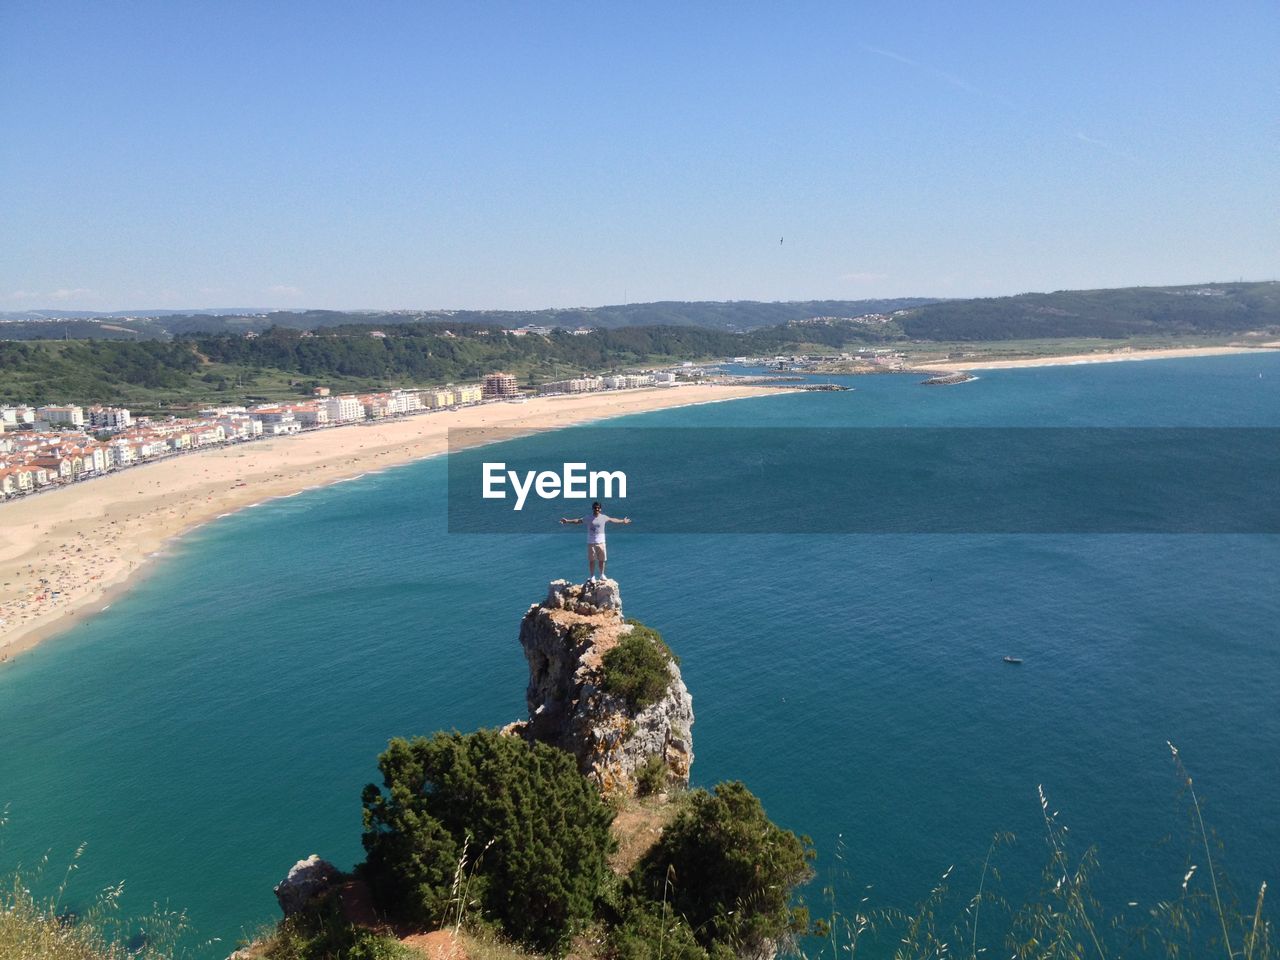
(244, 311)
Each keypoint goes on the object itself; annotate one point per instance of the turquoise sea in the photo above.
(218, 722)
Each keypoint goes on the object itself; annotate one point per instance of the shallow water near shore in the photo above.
(217, 722)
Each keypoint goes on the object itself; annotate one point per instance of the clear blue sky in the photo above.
(474, 154)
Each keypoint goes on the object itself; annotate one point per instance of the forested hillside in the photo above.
(93, 370)
(733, 315)
(436, 351)
(1135, 311)
(284, 361)
(1132, 311)
(191, 365)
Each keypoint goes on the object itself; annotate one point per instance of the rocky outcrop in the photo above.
(307, 881)
(565, 638)
(593, 597)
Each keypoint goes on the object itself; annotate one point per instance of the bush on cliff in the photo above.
(535, 832)
(651, 931)
(651, 776)
(728, 871)
(324, 934)
(637, 668)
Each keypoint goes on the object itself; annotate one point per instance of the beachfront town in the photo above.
(44, 447)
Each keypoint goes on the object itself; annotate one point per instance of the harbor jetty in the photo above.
(947, 379)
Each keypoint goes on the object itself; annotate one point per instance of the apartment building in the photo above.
(109, 418)
(499, 385)
(55, 416)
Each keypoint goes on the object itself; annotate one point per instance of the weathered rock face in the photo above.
(564, 639)
(597, 596)
(307, 880)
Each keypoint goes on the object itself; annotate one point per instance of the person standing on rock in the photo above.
(595, 524)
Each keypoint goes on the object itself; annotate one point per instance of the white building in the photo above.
(213, 412)
(576, 385)
(240, 427)
(342, 409)
(317, 416)
(152, 447)
(22, 479)
(276, 421)
(628, 381)
(406, 401)
(122, 453)
(68, 416)
(16, 417)
(97, 458)
(109, 418)
(208, 433)
(281, 426)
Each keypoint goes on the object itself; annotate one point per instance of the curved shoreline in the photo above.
(80, 547)
(1113, 356)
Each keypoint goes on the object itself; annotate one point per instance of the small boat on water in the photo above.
(1012, 659)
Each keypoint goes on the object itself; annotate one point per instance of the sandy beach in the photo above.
(66, 553)
(1109, 357)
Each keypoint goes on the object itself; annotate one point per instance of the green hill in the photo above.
(1125, 312)
(172, 361)
(1133, 311)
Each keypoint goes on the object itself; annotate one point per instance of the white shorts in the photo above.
(596, 552)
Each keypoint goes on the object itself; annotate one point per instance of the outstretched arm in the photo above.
(570, 519)
(616, 520)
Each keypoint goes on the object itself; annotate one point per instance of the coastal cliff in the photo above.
(622, 745)
(570, 832)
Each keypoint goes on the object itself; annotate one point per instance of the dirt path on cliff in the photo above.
(437, 945)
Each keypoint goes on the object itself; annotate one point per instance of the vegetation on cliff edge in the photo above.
(728, 872)
(324, 934)
(489, 821)
(32, 928)
(638, 669)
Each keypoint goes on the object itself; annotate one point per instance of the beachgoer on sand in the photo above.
(595, 523)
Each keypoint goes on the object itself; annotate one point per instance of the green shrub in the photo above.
(535, 832)
(728, 870)
(651, 931)
(323, 934)
(637, 668)
(651, 776)
(580, 633)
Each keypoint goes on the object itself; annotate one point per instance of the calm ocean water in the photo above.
(217, 723)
